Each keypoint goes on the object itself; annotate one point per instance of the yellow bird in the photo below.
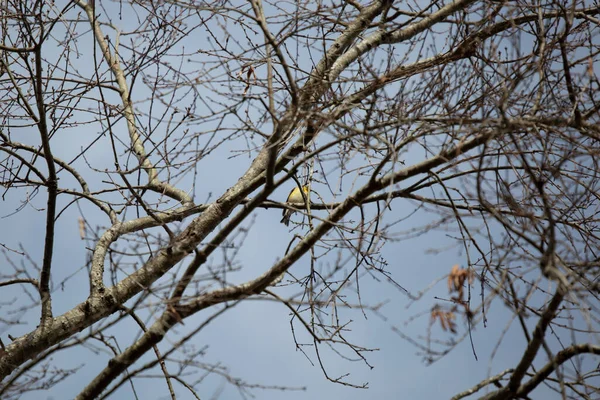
(294, 198)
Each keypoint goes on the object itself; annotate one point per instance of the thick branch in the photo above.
(550, 367)
(530, 353)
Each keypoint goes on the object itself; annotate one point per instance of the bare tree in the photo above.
(479, 116)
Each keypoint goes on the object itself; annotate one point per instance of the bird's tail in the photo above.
(286, 217)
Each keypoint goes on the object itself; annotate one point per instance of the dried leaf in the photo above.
(249, 71)
(457, 278)
(81, 222)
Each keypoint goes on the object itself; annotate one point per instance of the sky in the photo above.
(253, 340)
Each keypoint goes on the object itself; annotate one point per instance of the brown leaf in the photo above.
(457, 278)
(81, 222)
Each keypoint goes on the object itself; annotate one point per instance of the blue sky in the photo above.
(253, 340)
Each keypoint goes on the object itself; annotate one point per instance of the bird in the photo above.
(294, 197)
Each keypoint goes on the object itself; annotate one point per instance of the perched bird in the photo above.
(294, 198)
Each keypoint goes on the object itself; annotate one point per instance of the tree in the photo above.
(476, 119)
